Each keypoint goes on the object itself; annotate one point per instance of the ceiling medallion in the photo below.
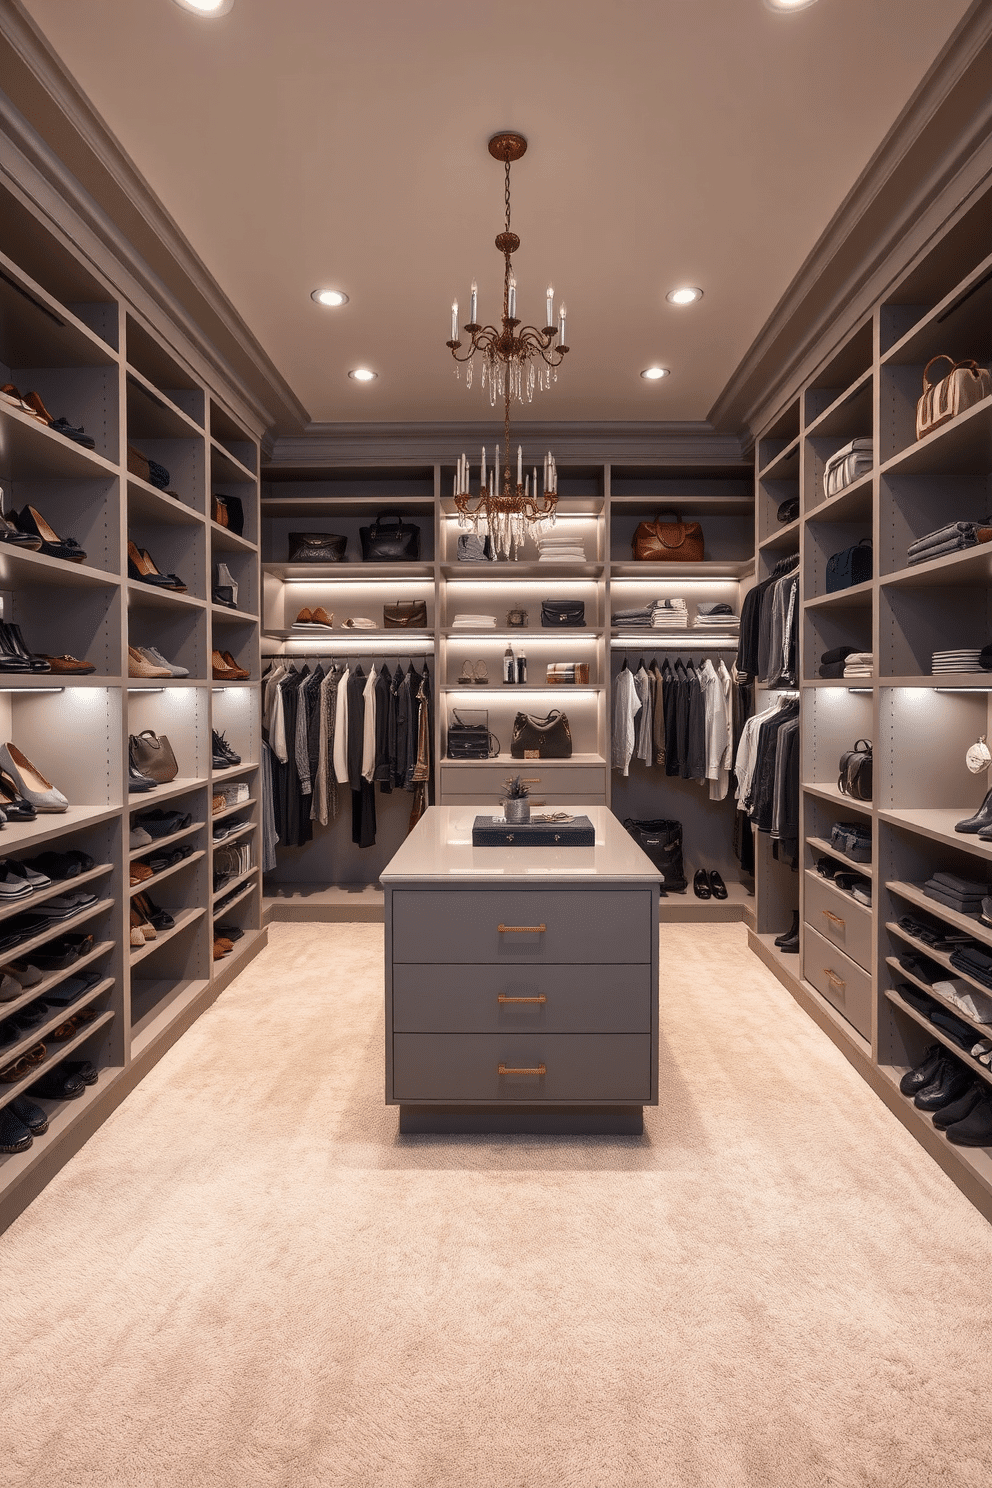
(516, 359)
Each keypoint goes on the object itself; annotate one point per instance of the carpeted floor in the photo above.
(247, 1280)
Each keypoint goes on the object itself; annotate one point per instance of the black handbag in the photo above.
(850, 566)
(563, 614)
(469, 740)
(788, 510)
(541, 738)
(661, 840)
(855, 771)
(390, 540)
(316, 547)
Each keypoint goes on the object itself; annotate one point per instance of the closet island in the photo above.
(521, 982)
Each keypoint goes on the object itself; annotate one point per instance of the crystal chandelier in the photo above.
(515, 360)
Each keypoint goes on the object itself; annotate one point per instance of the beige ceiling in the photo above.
(304, 143)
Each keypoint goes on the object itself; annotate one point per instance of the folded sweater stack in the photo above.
(832, 662)
(713, 614)
(474, 622)
(962, 894)
(660, 614)
(859, 664)
(951, 538)
(975, 961)
(560, 549)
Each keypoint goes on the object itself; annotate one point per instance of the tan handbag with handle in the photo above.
(668, 542)
(965, 385)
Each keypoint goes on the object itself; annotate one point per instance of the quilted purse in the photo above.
(965, 385)
(316, 547)
(668, 542)
(152, 754)
(541, 738)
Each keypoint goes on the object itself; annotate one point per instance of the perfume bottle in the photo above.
(521, 669)
(509, 665)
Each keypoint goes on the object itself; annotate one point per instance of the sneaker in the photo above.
(157, 659)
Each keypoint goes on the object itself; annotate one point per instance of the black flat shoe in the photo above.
(792, 933)
(701, 884)
(29, 1115)
(717, 886)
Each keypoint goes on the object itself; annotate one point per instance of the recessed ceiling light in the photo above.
(653, 373)
(207, 7)
(686, 294)
(329, 296)
(789, 4)
(363, 374)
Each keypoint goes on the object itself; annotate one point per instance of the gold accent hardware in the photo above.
(521, 929)
(834, 979)
(500, 997)
(505, 1069)
(836, 919)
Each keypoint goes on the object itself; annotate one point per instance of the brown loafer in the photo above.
(241, 674)
(321, 617)
(68, 666)
(305, 617)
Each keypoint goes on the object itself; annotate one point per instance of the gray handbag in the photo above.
(152, 754)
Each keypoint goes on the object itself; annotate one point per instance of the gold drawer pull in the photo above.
(505, 1069)
(834, 979)
(500, 997)
(835, 919)
(521, 929)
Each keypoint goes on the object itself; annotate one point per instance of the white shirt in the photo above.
(341, 731)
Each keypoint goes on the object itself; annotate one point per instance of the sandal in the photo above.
(24, 1065)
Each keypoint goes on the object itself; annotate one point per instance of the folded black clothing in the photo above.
(921, 966)
(986, 658)
(839, 653)
(952, 901)
(960, 885)
(72, 988)
(917, 999)
(931, 935)
(962, 1033)
(977, 973)
(832, 669)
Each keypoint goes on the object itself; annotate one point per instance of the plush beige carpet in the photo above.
(248, 1279)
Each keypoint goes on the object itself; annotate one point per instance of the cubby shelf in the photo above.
(938, 1033)
(55, 1053)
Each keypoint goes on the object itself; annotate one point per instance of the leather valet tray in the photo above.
(487, 831)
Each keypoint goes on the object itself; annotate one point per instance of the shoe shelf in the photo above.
(221, 777)
(231, 810)
(240, 951)
(938, 825)
(158, 843)
(184, 919)
(24, 950)
(54, 978)
(165, 684)
(157, 1003)
(33, 451)
(146, 503)
(938, 1034)
(823, 846)
(941, 957)
(46, 827)
(231, 884)
(982, 1030)
(224, 905)
(18, 566)
(173, 868)
(63, 1116)
(976, 1162)
(147, 596)
(54, 1053)
(41, 1033)
(148, 800)
(224, 540)
(228, 616)
(10, 907)
(238, 832)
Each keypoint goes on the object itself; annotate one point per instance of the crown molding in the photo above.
(341, 445)
(938, 152)
(98, 198)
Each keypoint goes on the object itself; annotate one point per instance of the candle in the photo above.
(482, 476)
(490, 483)
(473, 317)
(527, 487)
(535, 482)
(551, 305)
(561, 324)
(454, 320)
(512, 299)
(520, 465)
(496, 467)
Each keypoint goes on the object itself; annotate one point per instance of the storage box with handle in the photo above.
(962, 387)
(668, 542)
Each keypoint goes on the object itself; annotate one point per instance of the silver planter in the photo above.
(517, 811)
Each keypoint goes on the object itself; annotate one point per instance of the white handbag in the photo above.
(848, 465)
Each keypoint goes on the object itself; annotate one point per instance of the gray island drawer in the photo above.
(579, 926)
(604, 1068)
(456, 998)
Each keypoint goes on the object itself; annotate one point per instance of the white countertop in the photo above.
(439, 849)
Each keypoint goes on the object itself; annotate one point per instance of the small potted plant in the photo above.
(516, 806)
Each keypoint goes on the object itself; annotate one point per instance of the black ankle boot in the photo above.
(982, 818)
(789, 942)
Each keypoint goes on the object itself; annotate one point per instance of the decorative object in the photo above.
(516, 359)
(539, 831)
(516, 802)
(518, 618)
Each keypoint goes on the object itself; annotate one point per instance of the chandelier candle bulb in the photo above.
(551, 305)
(474, 304)
(454, 320)
(511, 298)
(482, 473)
(520, 465)
(561, 324)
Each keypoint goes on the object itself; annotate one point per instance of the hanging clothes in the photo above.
(625, 709)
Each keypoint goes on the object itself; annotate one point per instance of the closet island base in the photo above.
(521, 982)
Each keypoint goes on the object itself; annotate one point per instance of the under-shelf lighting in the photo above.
(30, 691)
(856, 691)
(956, 689)
(146, 689)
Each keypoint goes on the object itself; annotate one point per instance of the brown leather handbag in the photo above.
(406, 614)
(965, 385)
(152, 754)
(668, 542)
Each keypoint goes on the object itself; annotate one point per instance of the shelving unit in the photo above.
(920, 724)
(602, 505)
(94, 358)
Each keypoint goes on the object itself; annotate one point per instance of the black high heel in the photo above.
(982, 818)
